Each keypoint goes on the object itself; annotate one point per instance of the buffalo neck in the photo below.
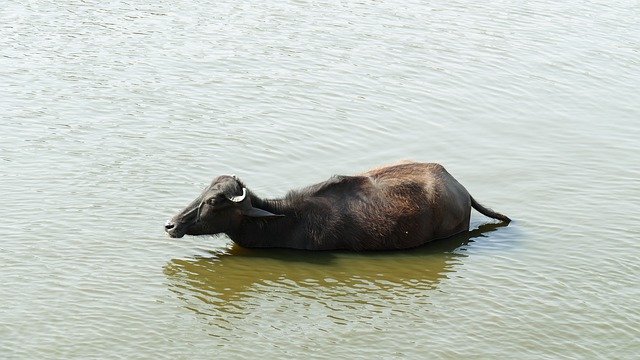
(267, 232)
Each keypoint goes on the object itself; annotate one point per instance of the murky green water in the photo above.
(115, 115)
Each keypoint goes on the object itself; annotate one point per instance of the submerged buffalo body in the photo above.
(393, 207)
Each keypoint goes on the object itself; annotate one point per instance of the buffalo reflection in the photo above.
(222, 281)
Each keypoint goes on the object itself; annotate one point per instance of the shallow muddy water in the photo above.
(115, 115)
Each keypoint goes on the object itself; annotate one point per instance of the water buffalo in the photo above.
(392, 207)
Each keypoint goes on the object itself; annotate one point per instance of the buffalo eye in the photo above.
(216, 200)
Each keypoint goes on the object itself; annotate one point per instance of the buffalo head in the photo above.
(220, 208)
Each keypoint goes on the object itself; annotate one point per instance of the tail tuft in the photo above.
(488, 212)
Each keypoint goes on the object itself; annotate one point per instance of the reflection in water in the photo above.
(224, 283)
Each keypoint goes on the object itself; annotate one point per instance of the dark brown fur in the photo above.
(393, 207)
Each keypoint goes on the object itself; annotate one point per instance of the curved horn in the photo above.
(240, 198)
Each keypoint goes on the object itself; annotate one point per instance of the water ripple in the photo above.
(115, 114)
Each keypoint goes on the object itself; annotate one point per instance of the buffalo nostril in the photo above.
(169, 225)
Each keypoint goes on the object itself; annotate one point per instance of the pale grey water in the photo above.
(113, 115)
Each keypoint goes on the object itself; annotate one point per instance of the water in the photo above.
(115, 115)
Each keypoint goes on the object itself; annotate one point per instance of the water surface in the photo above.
(115, 115)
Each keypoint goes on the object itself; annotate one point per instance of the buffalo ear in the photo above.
(248, 209)
(255, 212)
